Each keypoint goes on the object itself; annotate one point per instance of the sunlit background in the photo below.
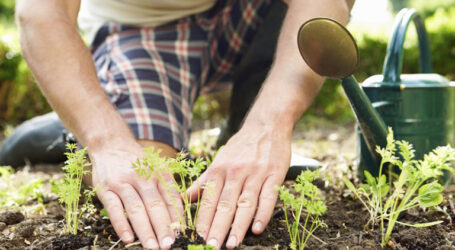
(371, 23)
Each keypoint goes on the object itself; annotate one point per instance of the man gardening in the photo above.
(135, 87)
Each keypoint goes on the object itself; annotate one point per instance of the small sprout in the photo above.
(309, 199)
(185, 169)
(416, 185)
(104, 214)
(70, 189)
(200, 247)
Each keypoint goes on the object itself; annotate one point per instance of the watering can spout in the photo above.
(330, 50)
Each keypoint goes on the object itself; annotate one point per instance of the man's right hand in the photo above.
(148, 206)
(65, 71)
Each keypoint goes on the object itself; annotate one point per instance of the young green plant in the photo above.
(200, 247)
(416, 185)
(309, 199)
(185, 169)
(70, 189)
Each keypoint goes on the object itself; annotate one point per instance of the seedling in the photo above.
(416, 185)
(185, 169)
(309, 199)
(70, 189)
(188, 171)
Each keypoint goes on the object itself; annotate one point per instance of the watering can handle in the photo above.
(394, 59)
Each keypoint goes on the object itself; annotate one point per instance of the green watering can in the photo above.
(419, 107)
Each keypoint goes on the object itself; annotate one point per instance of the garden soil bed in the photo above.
(40, 226)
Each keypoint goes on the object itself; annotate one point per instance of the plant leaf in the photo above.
(427, 224)
(430, 194)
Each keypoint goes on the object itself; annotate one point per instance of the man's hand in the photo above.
(147, 205)
(256, 159)
(242, 178)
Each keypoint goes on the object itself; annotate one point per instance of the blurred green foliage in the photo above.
(428, 8)
(397, 5)
(425, 7)
(7, 9)
(441, 34)
(20, 97)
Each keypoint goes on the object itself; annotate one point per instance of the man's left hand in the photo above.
(242, 178)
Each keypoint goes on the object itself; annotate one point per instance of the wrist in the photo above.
(115, 136)
(280, 127)
(283, 99)
(274, 114)
(101, 142)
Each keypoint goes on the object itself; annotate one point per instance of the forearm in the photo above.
(291, 85)
(64, 69)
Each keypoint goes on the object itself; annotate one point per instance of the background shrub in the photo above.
(7, 10)
(428, 8)
(20, 98)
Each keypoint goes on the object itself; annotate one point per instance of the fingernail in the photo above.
(167, 242)
(232, 242)
(257, 226)
(213, 243)
(152, 244)
(127, 237)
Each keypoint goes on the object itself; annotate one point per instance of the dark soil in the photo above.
(70, 242)
(345, 217)
(39, 226)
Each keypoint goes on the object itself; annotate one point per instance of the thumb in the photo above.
(195, 189)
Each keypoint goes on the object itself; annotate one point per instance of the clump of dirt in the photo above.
(191, 238)
(11, 217)
(26, 228)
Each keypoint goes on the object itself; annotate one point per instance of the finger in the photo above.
(209, 200)
(224, 212)
(246, 206)
(267, 201)
(172, 201)
(138, 217)
(114, 209)
(194, 192)
(158, 213)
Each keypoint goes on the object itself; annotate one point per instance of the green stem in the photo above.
(395, 212)
(198, 203)
(186, 202)
(287, 221)
(303, 238)
(174, 204)
(313, 228)
(296, 228)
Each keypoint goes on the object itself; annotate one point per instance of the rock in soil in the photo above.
(26, 228)
(55, 209)
(11, 217)
(2, 226)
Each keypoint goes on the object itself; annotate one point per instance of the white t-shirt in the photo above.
(144, 13)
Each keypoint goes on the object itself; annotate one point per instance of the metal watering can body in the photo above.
(420, 108)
